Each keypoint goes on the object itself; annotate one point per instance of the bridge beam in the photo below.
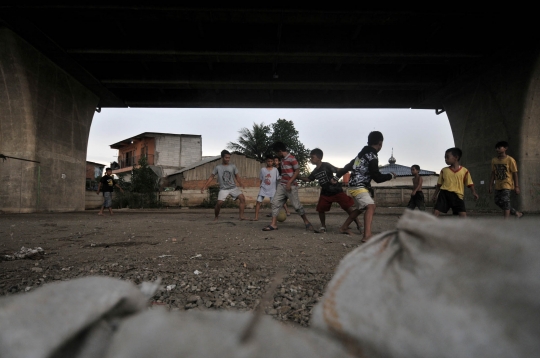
(502, 103)
(45, 116)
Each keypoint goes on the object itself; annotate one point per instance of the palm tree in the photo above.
(253, 143)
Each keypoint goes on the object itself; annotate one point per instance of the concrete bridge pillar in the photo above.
(503, 103)
(45, 116)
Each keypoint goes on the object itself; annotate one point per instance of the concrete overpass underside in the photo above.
(58, 64)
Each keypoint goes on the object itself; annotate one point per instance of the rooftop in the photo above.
(129, 140)
(401, 170)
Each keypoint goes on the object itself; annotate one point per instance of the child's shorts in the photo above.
(362, 200)
(234, 193)
(449, 200)
(260, 198)
(502, 199)
(107, 199)
(325, 202)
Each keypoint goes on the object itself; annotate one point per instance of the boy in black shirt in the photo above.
(364, 168)
(106, 185)
(330, 192)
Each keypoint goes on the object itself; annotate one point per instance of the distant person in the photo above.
(504, 173)
(268, 181)
(364, 168)
(226, 173)
(106, 185)
(451, 185)
(417, 196)
(287, 188)
(277, 164)
(331, 190)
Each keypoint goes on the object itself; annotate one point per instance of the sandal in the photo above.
(321, 230)
(269, 228)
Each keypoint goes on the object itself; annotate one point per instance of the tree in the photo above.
(253, 143)
(284, 131)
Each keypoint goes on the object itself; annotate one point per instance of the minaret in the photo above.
(392, 160)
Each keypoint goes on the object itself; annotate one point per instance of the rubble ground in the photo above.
(224, 265)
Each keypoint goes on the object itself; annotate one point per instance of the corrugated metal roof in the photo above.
(197, 164)
(402, 170)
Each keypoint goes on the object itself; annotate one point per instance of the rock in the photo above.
(193, 298)
(208, 304)
(36, 269)
(272, 312)
(284, 309)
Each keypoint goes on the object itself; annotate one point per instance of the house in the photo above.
(165, 153)
(93, 171)
(404, 176)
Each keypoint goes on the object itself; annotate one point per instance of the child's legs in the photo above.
(278, 200)
(293, 196)
(412, 204)
(361, 201)
(324, 205)
(217, 208)
(286, 208)
(368, 218)
(242, 205)
(420, 202)
(260, 198)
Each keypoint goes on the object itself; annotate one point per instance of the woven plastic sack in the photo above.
(161, 334)
(439, 288)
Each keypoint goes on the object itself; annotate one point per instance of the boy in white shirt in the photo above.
(268, 181)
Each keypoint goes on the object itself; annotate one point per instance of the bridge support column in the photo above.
(45, 116)
(501, 104)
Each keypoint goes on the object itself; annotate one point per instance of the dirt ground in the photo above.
(203, 264)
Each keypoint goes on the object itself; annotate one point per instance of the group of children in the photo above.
(278, 182)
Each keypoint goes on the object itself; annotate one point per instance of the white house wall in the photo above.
(191, 150)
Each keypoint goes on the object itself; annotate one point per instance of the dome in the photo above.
(392, 160)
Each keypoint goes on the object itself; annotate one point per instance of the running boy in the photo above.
(226, 173)
(364, 168)
(287, 188)
(277, 164)
(504, 173)
(106, 185)
(331, 190)
(268, 181)
(417, 197)
(451, 185)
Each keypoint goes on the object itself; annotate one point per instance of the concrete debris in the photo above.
(26, 253)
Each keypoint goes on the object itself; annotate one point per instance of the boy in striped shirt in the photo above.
(287, 188)
(451, 185)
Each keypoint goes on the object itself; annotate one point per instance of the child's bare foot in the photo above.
(366, 238)
(243, 218)
(256, 219)
(519, 214)
(216, 218)
(345, 232)
(100, 214)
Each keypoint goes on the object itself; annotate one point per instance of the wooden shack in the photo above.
(195, 175)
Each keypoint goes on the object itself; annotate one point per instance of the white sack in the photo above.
(72, 318)
(161, 334)
(439, 288)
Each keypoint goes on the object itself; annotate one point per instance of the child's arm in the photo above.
(293, 178)
(516, 183)
(305, 179)
(347, 168)
(239, 181)
(118, 186)
(207, 182)
(98, 188)
(473, 192)
(418, 186)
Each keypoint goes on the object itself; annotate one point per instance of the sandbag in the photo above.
(66, 319)
(439, 288)
(208, 334)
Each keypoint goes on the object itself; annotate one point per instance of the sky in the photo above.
(416, 136)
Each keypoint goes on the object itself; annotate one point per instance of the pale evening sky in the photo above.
(417, 136)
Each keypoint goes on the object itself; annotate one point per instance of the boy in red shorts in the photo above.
(331, 190)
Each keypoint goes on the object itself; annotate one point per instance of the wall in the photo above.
(427, 181)
(191, 149)
(45, 115)
(501, 103)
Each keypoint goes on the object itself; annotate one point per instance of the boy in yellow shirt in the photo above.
(451, 185)
(504, 174)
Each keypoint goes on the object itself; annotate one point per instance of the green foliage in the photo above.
(284, 131)
(253, 143)
(142, 192)
(211, 201)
